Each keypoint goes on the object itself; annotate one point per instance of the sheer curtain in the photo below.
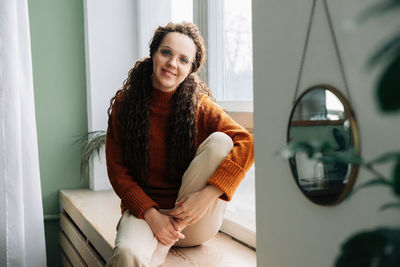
(21, 212)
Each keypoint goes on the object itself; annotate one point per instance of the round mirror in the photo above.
(322, 114)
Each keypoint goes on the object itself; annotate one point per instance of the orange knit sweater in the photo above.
(160, 193)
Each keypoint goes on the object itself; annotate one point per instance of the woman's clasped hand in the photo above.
(164, 227)
(191, 208)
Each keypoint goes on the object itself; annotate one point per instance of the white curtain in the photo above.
(21, 212)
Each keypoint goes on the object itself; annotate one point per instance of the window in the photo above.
(181, 10)
(226, 27)
(333, 106)
(238, 56)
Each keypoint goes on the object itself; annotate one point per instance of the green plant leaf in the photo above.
(377, 9)
(396, 178)
(91, 144)
(388, 50)
(380, 247)
(322, 151)
(389, 205)
(291, 149)
(388, 87)
(347, 156)
(385, 157)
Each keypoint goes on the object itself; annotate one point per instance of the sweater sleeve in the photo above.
(125, 186)
(232, 170)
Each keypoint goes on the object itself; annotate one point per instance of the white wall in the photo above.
(291, 230)
(111, 49)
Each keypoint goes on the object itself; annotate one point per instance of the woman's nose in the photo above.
(173, 62)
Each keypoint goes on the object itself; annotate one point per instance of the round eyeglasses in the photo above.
(168, 53)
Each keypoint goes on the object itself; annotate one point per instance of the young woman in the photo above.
(174, 157)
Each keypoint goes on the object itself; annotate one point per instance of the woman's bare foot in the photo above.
(161, 252)
(159, 255)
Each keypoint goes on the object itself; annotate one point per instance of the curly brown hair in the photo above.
(134, 110)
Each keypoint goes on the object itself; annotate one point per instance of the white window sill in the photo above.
(240, 228)
(237, 106)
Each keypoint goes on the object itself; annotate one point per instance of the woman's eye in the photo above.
(166, 52)
(184, 60)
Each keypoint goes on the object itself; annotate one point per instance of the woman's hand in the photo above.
(162, 227)
(192, 208)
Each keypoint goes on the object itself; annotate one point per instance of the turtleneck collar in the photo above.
(159, 97)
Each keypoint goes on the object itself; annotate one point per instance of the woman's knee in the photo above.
(220, 144)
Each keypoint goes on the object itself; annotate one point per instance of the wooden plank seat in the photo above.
(88, 228)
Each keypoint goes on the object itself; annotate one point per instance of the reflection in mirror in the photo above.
(322, 114)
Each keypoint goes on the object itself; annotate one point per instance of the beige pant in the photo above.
(135, 242)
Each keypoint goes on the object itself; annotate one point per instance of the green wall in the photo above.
(58, 58)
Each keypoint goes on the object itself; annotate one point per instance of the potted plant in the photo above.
(91, 144)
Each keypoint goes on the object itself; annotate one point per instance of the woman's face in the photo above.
(172, 61)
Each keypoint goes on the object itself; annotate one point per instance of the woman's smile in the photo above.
(168, 73)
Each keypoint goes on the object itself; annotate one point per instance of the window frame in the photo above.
(240, 228)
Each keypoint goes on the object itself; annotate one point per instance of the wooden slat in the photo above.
(65, 261)
(87, 253)
(87, 209)
(71, 252)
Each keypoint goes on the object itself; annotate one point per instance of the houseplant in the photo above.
(380, 247)
(91, 144)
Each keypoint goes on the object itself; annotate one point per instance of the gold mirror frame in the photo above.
(356, 145)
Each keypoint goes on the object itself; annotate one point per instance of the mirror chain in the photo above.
(338, 55)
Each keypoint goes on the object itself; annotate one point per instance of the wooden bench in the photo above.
(88, 228)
